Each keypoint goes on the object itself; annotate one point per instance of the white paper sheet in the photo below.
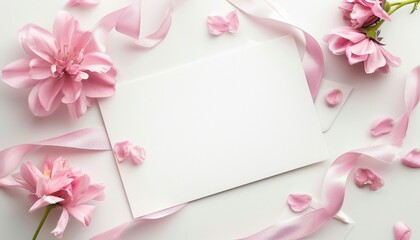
(215, 124)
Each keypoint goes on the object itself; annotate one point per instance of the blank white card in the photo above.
(214, 125)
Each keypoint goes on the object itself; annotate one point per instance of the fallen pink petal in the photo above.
(220, 24)
(334, 97)
(412, 159)
(299, 202)
(402, 231)
(382, 127)
(366, 177)
(82, 3)
(126, 149)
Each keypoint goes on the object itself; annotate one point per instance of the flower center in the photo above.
(67, 62)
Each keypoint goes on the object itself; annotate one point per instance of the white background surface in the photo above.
(245, 210)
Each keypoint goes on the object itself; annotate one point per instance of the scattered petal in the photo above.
(412, 159)
(125, 149)
(138, 155)
(334, 97)
(402, 231)
(299, 202)
(382, 127)
(220, 24)
(366, 176)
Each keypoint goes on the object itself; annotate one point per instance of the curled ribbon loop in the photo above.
(335, 180)
(90, 139)
(127, 21)
(115, 233)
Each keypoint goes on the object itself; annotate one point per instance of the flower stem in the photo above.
(44, 217)
(398, 5)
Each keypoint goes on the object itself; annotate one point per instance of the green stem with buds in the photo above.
(371, 32)
(44, 217)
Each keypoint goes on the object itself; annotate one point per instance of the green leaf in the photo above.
(414, 7)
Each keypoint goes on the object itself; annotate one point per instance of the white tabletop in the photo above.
(245, 210)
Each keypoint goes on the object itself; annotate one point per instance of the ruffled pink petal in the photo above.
(233, 21)
(78, 108)
(337, 45)
(375, 61)
(412, 159)
(382, 127)
(122, 150)
(38, 42)
(299, 202)
(82, 213)
(35, 105)
(45, 201)
(82, 3)
(30, 175)
(99, 85)
(92, 192)
(96, 62)
(349, 33)
(365, 177)
(40, 69)
(61, 224)
(379, 11)
(65, 27)
(71, 89)
(390, 59)
(334, 97)
(138, 155)
(402, 231)
(16, 74)
(219, 24)
(49, 91)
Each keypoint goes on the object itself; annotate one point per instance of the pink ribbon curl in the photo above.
(89, 139)
(127, 21)
(337, 175)
(313, 60)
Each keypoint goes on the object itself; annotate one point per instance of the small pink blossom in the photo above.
(299, 202)
(220, 24)
(402, 231)
(126, 149)
(364, 177)
(382, 127)
(363, 13)
(359, 48)
(61, 185)
(334, 97)
(63, 67)
(412, 159)
(82, 3)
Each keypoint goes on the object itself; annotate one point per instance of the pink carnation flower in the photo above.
(363, 13)
(360, 48)
(63, 67)
(60, 185)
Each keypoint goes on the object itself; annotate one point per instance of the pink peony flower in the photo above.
(363, 13)
(360, 48)
(60, 185)
(63, 67)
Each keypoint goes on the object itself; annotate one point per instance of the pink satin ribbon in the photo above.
(90, 139)
(128, 21)
(313, 60)
(115, 233)
(335, 180)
